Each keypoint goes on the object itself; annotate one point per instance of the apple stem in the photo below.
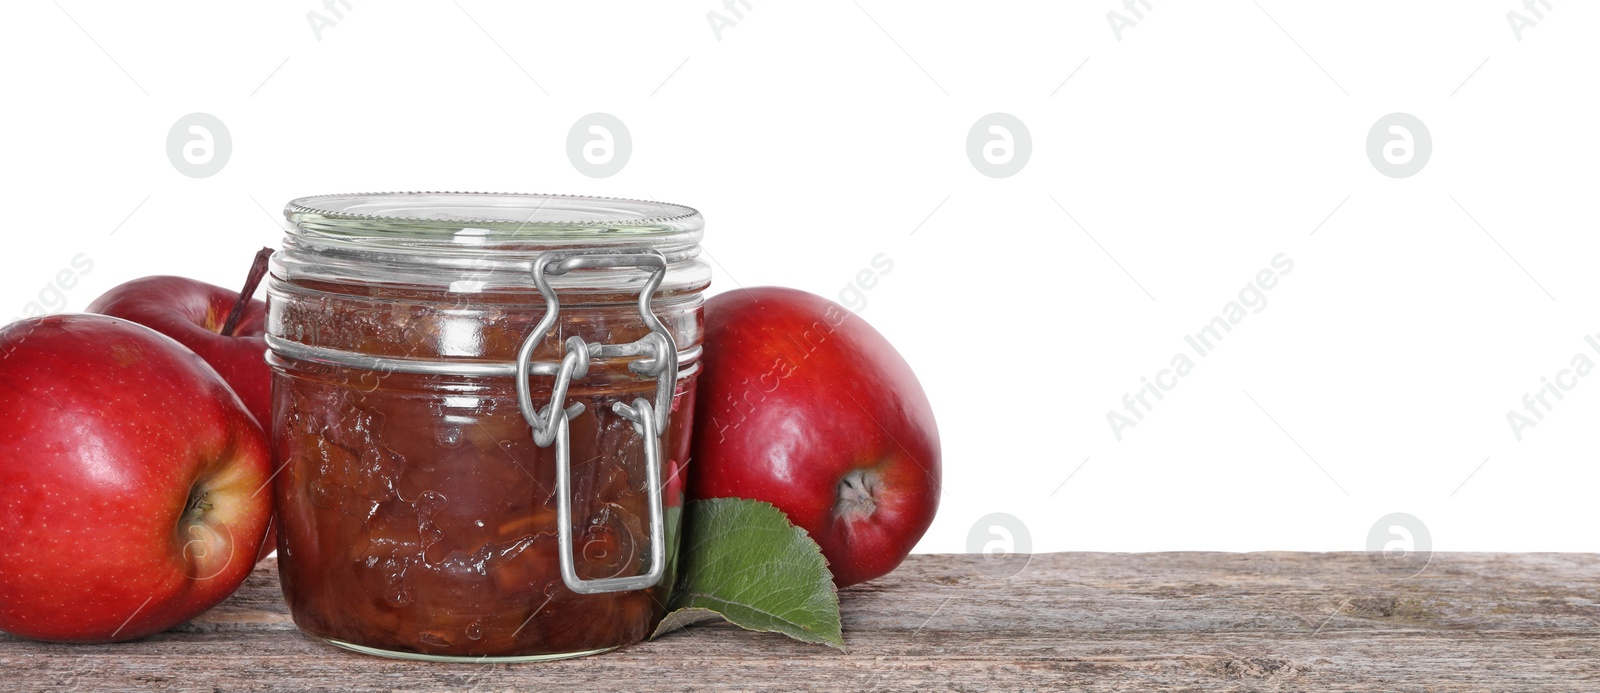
(258, 269)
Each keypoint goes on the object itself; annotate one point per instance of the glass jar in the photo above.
(481, 413)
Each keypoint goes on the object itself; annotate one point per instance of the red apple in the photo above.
(803, 405)
(131, 481)
(196, 314)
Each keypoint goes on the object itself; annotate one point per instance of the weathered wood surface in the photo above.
(1070, 621)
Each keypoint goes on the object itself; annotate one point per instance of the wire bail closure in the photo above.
(549, 423)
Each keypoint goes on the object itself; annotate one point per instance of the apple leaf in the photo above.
(745, 562)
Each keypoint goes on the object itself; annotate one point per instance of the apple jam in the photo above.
(418, 514)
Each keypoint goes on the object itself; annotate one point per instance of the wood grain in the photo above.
(1069, 621)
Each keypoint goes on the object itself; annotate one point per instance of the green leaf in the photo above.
(745, 562)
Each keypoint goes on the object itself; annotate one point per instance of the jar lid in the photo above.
(480, 241)
(477, 219)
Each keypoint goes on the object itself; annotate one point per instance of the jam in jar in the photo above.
(481, 414)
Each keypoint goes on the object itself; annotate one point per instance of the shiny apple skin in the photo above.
(804, 405)
(193, 312)
(115, 436)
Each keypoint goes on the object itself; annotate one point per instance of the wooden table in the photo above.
(1080, 621)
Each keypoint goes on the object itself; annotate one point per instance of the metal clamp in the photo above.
(549, 422)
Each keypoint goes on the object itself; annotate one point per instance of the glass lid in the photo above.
(476, 218)
(482, 241)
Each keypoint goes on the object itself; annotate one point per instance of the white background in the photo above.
(1211, 137)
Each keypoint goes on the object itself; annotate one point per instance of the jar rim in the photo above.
(473, 218)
